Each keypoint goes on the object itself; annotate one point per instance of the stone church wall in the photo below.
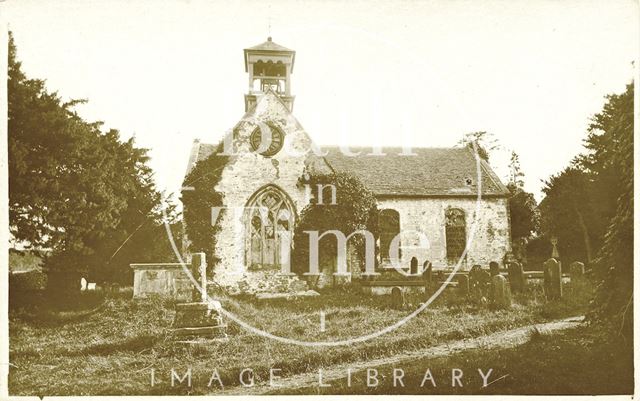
(247, 173)
(489, 242)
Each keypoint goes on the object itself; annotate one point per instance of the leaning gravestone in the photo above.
(552, 279)
(494, 268)
(427, 276)
(500, 295)
(516, 277)
(397, 298)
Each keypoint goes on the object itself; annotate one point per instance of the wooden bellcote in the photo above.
(269, 66)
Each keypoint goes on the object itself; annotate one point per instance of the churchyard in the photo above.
(106, 342)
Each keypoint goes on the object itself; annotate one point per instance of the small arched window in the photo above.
(389, 225)
(456, 233)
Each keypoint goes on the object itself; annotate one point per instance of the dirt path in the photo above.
(502, 339)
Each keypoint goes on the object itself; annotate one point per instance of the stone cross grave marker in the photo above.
(199, 272)
(200, 319)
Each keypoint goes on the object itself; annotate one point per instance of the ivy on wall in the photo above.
(198, 198)
(355, 209)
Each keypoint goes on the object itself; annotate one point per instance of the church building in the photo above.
(448, 194)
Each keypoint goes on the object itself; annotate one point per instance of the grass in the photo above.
(583, 361)
(110, 347)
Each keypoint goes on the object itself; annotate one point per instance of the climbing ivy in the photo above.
(198, 197)
(355, 209)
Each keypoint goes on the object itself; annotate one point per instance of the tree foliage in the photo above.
(567, 213)
(485, 143)
(523, 210)
(355, 209)
(589, 206)
(610, 160)
(72, 188)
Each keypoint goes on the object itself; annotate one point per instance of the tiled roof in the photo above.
(430, 172)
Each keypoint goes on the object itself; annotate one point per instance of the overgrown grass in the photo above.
(582, 361)
(111, 347)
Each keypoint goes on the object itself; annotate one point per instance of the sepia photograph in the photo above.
(317, 198)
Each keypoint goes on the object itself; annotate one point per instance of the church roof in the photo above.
(270, 45)
(431, 172)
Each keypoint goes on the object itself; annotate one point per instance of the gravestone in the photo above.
(427, 276)
(199, 272)
(83, 284)
(414, 265)
(397, 298)
(500, 295)
(516, 277)
(576, 270)
(552, 279)
(479, 282)
(463, 285)
(494, 268)
(202, 318)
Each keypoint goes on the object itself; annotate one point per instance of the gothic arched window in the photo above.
(269, 223)
(456, 233)
(389, 224)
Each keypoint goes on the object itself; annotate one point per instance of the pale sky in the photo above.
(530, 72)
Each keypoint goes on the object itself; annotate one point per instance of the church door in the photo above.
(269, 220)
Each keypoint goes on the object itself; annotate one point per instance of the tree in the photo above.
(567, 213)
(610, 160)
(516, 176)
(355, 209)
(72, 188)
(522, 210)
(485, 143)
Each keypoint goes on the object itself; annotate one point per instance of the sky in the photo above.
(422, 73)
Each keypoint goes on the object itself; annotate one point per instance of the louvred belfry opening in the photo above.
(269, 66)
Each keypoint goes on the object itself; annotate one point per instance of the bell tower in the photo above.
(269, 66)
